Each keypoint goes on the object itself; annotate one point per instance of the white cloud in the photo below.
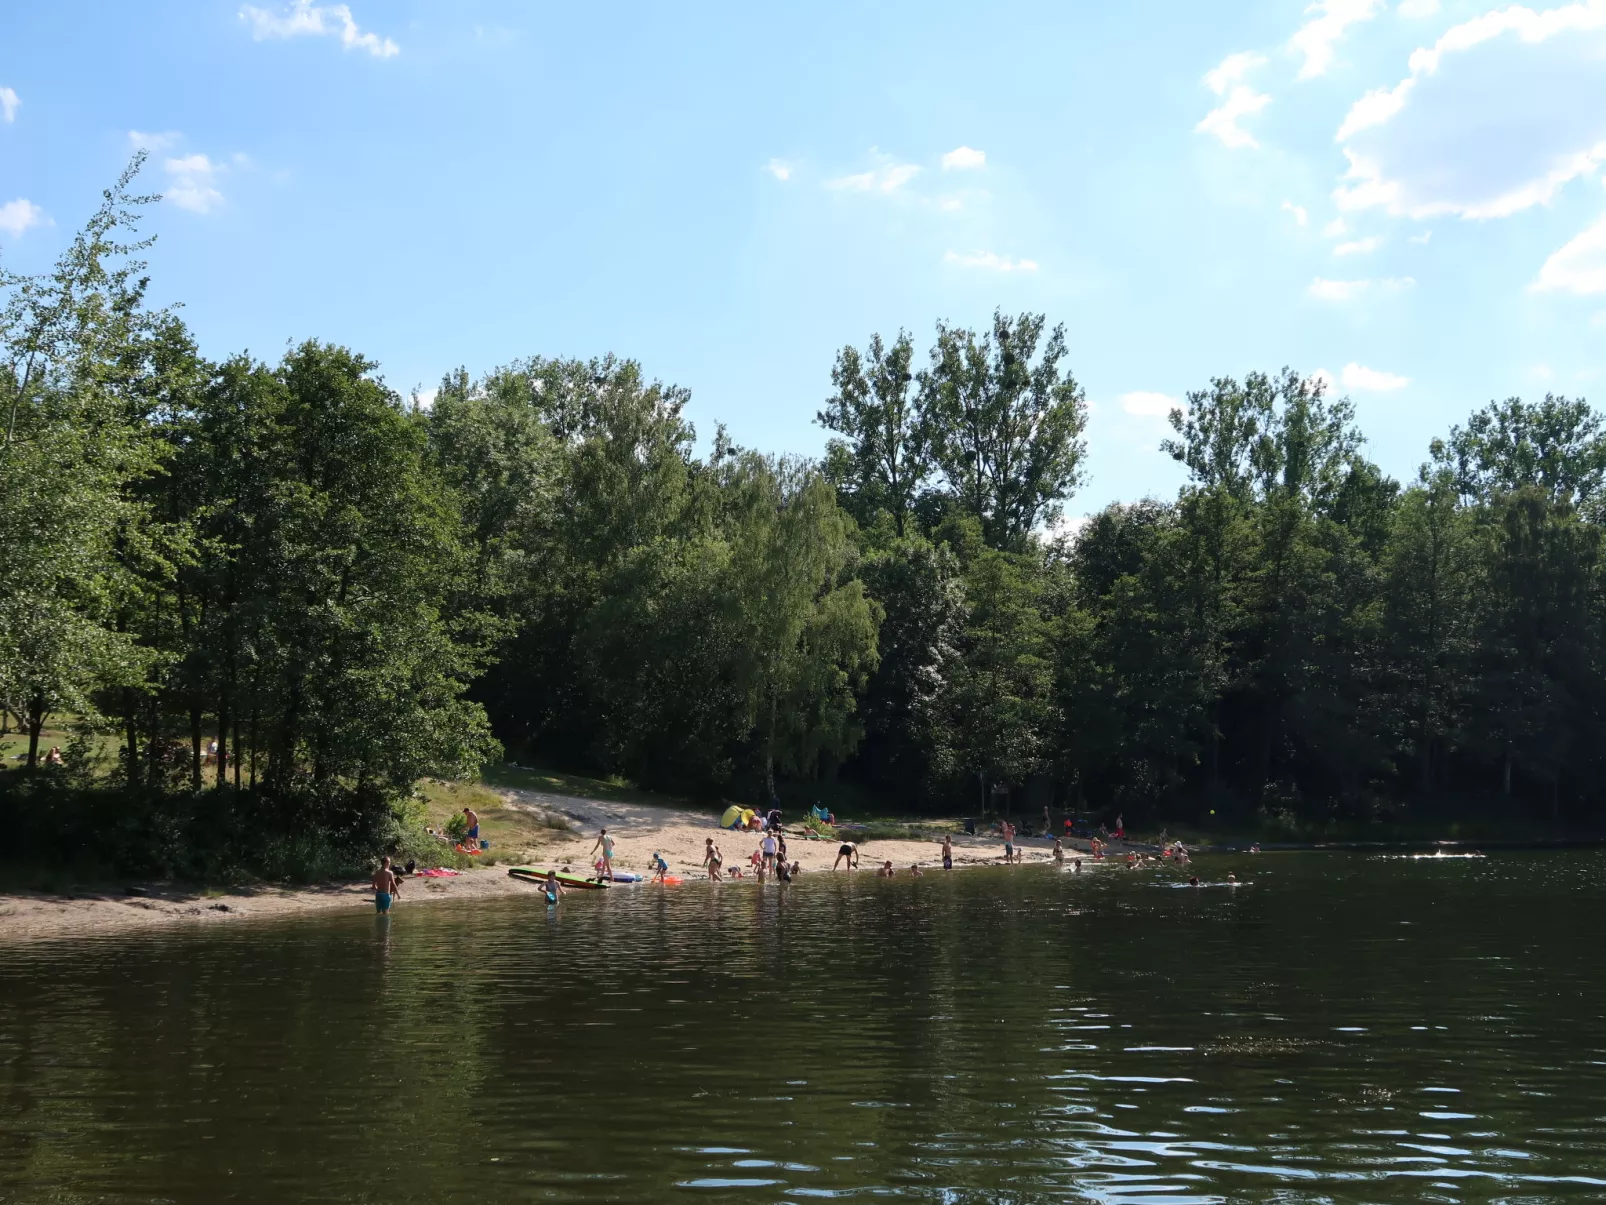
(191, 183)
(304, 18)
(1495, 117)
(779, 168)
(1598, 320)
(1149, 404)
(1322, 379)
(1232, 70)
(1222, 121)
(1371, 380)
(9, 103)
(963, 158)
(1421, 239)
(1360, 246)
(154, 143)
(882, 179)
(1337, 290)
(1300, 216)
(1317, 38)
(1418, 8)
(20, 215)
(1579, 266)
(1335, 228)
(1347, 290)
(990, 261)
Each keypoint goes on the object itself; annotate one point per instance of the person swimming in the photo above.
(886, 871)
(914, 869)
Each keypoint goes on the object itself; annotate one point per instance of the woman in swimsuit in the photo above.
(712, 859)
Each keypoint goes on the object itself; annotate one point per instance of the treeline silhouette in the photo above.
(347, 591)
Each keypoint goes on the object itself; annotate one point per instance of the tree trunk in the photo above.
(236, 751)
(131, 735)
(195, 748)
(36, 721)
(223, 740)
(1505, 777)
(769, 757)
(153, 745)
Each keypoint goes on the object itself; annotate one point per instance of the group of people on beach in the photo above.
(769, 858)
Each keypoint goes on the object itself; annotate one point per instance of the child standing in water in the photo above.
(1059, 852)
(947, 852)
(554, 889)
(384, 886)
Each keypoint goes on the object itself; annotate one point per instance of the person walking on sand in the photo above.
(712, 859)
(605, 844)
(385, 886)
(947, 852)
(847, 850)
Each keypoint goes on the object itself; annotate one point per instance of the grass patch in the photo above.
(514, 833)
(514, 776)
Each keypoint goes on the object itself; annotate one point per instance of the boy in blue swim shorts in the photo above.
(385, 886)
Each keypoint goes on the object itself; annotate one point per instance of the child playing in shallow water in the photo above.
(886, 871)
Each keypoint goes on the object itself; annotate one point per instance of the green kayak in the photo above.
(531, 874)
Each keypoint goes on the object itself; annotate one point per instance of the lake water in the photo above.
(1339, 1028)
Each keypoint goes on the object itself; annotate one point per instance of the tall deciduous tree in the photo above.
(887, 441)
(1005, 423)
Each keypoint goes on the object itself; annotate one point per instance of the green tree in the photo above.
(886, 458)
(1005, 430)
(69, 446)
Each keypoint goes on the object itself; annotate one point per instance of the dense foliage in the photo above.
(348, 591)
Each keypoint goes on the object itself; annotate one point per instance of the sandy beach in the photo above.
(639, 830)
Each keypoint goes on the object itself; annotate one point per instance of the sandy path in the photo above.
(638, 829)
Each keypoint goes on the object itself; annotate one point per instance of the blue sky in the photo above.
(1403, 194)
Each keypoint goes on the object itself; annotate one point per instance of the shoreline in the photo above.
(639, 830)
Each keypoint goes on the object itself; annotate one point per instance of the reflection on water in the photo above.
(1338, 1028)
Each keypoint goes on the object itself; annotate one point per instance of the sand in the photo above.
(639, 830)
